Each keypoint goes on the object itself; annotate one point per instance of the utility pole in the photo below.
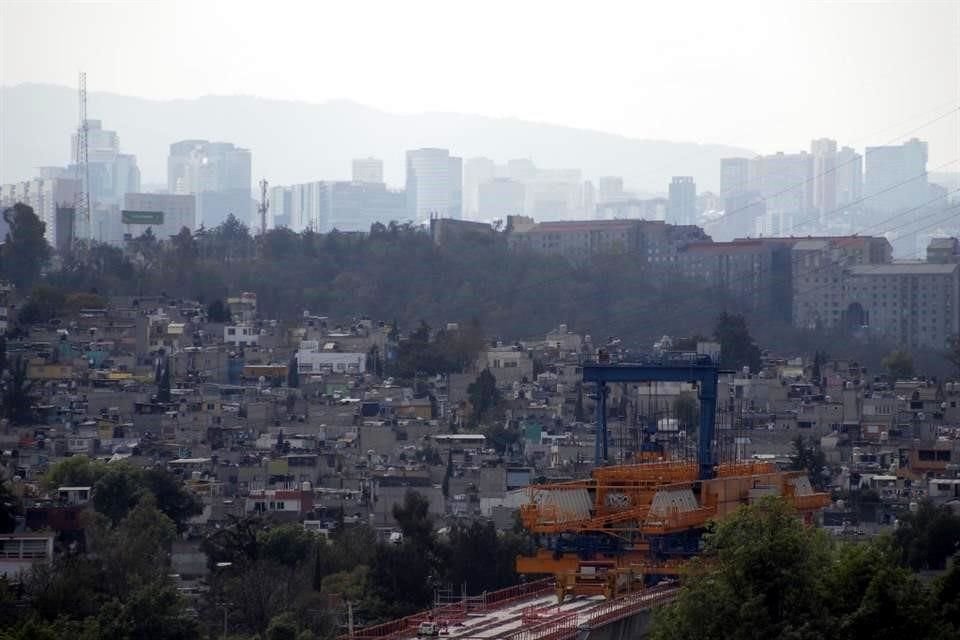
(263, 207)
(81, 198)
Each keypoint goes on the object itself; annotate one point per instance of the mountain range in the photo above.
(299, 141)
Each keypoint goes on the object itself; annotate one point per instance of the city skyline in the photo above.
(771, 87)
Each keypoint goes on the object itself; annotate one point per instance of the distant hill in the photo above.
(299, 141)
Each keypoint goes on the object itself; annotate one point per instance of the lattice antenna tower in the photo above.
(81, 202)
(263, 207)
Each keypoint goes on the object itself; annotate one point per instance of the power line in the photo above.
(955, 109)
(680, 314)
(565, 276)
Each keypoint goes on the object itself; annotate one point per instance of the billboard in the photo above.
(141, 217)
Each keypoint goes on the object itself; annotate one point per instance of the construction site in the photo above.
(613, 546)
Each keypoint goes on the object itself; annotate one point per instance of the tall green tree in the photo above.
(484, 396)
(414, 519)
(18, 393)
(737, 348)
(293, 372)
(10, 506)
(808, 456)
(764, 574)
(899, 364)
(163, 386)
(25, 252)
(217, 311)
(928, 537)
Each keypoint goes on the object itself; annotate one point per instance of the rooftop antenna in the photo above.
(81, 198)
(263, 207)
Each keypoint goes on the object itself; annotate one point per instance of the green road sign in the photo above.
(142, 217)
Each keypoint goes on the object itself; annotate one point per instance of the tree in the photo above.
(764, 574)
(26, 252)
(414, 519)
(737, 348)
(760, 573)
(17, 393)
(3, 354)
(218, 312)
(172, 497)
(929, 537)
(808, 456)
(819, 359)
(947, 591)
(484, 396)
(75, 471)
(874, 597)
(283, 627)
(293, 372)
(349, 585)
(117, 492)
(579, 413)
(44, 304)
(899, 364)
(476, 555)
(288, 545)
(447, 475)
(163, 385)
(10, 507)
(952, 353)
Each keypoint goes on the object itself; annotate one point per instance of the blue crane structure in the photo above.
(670, 367)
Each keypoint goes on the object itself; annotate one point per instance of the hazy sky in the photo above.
(765, 75)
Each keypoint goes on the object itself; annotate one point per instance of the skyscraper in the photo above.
(499, 198)
(734, 176)
(682, 205)
(112, 174)
(218, 173)
(784, 182)
(368, 170)
(824, 152)
(849, 177)
(434, 184)
(609, 189)
(896, 177)
(476, 171)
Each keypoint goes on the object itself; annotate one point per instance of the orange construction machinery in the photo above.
(629, 526)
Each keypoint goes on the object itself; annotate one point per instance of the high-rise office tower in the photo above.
(499, 198)
(589, 200)
(784, 182)
(734, 176)
(218, 173)
(368, 170)
(682, 204)
(849, 177)
(896, 177)
(112, 174)
(609, 189)
(824, 152)
(476, 171)
(434, 184)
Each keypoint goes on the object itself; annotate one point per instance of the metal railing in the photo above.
(453, 611)
(607, 612)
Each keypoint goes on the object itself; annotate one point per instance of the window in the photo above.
(231, 331)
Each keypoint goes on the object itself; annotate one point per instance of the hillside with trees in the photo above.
(398, 274)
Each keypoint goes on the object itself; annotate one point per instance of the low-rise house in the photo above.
(19, 552)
